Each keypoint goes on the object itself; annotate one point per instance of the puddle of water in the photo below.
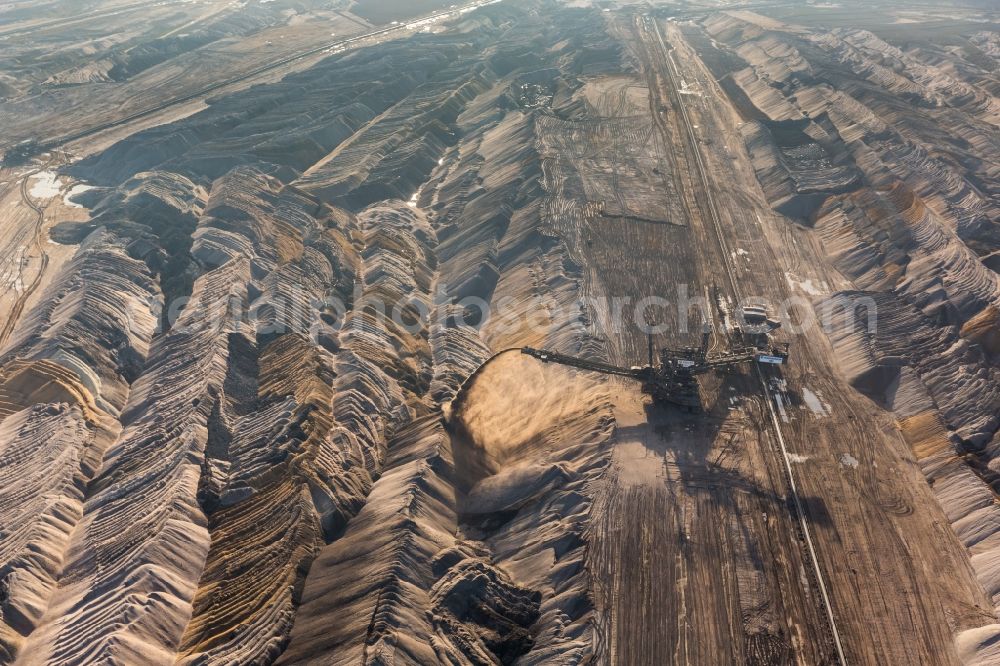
(808, 286)
(77, 189)
(847, 460)
(45, 185)
(815, 403)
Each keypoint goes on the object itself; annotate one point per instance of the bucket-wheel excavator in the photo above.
(672, 380)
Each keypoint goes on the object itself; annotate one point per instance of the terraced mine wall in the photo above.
(261, 415)
(215, 449)
(895, 166)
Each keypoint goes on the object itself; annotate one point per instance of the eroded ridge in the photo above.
(267, 403)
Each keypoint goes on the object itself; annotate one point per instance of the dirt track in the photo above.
(324, 487)
(880, 537)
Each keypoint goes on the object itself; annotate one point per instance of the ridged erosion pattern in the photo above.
(916, 235)
(221, 432)
(267, 405)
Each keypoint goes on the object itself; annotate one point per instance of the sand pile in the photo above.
(528, 440)
(512, 407)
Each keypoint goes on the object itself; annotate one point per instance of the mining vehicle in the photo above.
(672, 379)
(753, 328)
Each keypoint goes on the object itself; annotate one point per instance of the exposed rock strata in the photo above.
(229, 426)
(916, 239)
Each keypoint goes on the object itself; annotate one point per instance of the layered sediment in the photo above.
(914, 234)
(235, 389)
(273, 409)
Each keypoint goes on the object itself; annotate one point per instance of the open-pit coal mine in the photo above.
(340, 332)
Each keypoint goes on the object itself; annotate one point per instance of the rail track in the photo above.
(76, 18)
(702, 173)
(18, 308)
